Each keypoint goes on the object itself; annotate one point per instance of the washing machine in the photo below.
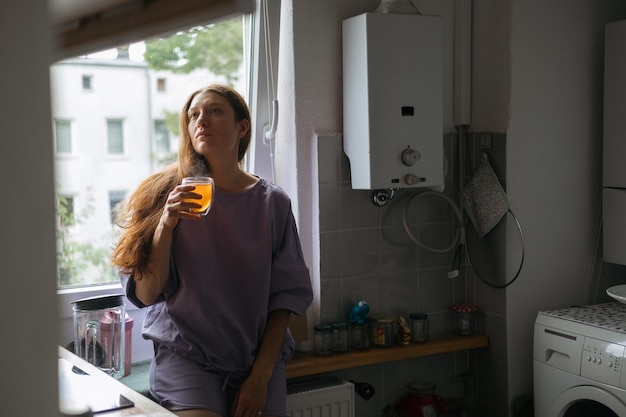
(579, 360)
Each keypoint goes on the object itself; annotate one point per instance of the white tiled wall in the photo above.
(366, 254)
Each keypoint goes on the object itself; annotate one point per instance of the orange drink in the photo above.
(204, 187)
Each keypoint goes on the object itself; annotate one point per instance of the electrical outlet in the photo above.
(485, 141)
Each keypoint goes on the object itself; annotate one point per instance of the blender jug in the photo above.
(99, 332)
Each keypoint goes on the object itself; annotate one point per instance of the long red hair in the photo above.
(142, 212)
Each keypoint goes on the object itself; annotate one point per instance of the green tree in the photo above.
(73, 257)
(216, 47)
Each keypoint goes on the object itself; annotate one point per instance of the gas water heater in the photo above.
(393, 100)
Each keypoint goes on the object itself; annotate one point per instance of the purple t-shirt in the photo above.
(228, 270)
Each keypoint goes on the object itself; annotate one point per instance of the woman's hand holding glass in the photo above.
(190, 200)
(204, 187)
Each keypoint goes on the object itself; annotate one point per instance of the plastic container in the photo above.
(323, 339)
(99, 332)
(464, 319)
(381, 331)
(128, 348)
(341, 337)
(419, 327)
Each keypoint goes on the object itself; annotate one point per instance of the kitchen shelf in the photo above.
(304, 364)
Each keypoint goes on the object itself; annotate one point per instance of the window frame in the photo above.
(161, 137)
(56, 138)
(258, 102)
(89, 78)
(118, 199)
(110, 121)
(161, 85)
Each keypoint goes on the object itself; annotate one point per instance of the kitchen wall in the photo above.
(366, 254)
(554, 160)
(537, 78)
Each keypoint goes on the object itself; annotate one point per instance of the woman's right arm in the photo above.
(151, 283)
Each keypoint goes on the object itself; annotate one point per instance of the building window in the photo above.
(115, 198)
(87, 82)
(62, 137)
(115, 137)
(161, 137)
(161, 85)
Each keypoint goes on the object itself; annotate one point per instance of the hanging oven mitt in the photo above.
(485, 201)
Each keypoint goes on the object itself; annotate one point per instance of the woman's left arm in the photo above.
(252, 394)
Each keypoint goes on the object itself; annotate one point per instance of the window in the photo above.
(143, 129)
(87, 82)
(63, 137)
(115, 137)
(161, 137)
(160, 84)
(115, 197)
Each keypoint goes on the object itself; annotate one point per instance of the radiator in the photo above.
(323, 397)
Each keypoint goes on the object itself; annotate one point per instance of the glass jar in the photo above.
(360, 336)
(421, 400)
(381, 331)
(464, 319)
(419, 327)
(323, 339)
(341, 337)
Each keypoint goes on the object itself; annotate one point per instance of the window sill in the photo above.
(304, 364)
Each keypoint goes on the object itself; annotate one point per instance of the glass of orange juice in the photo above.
(204, 187)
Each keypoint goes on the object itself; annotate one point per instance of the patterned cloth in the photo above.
(485, 201)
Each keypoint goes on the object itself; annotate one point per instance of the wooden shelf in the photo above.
(303, 364)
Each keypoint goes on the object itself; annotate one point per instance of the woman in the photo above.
(219, 289)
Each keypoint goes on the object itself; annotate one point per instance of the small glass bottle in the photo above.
(419, 327)
(341, 337)
(323, 339)
(360, 336)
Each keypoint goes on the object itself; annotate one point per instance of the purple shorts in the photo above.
(178, 384)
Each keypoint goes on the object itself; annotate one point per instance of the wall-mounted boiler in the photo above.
(393, 100)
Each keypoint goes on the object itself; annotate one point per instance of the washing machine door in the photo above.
(588, 401)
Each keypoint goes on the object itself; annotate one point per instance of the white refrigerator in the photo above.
(614, 145)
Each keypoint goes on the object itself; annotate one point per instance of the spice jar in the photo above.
(341, 337)
(360, 336)
(464, 319)
(419, 327)
(323, 340)
(381, 331)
